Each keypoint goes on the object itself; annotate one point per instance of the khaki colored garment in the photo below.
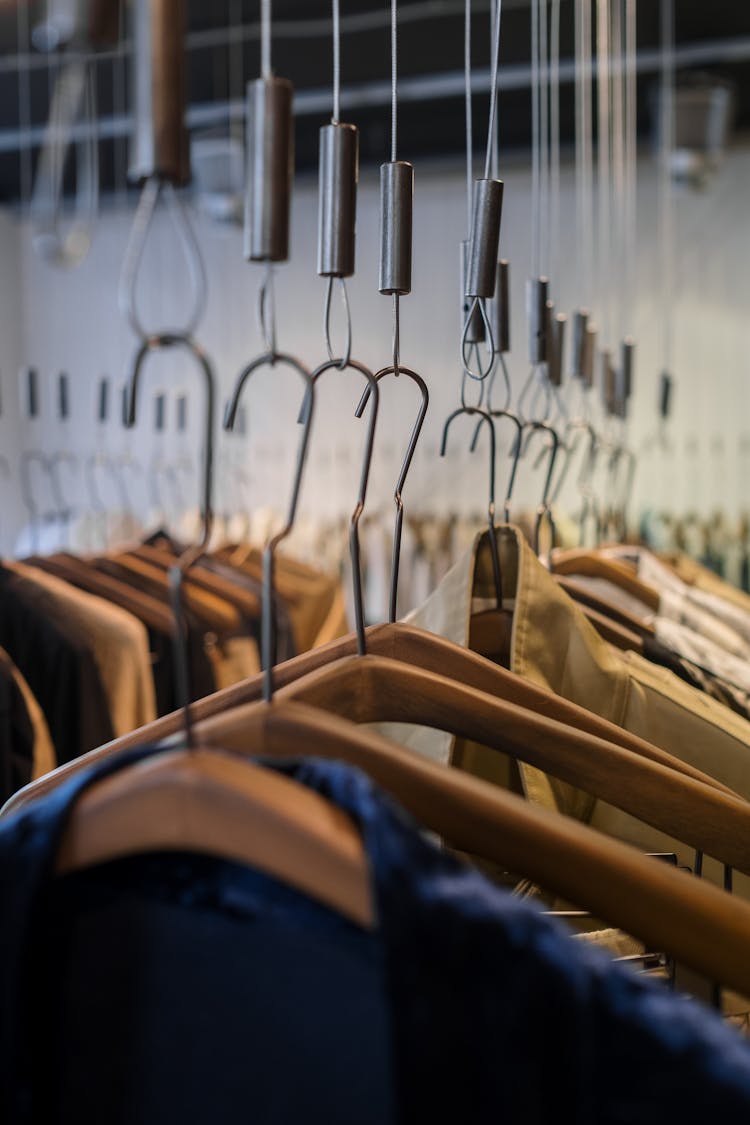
(554, 645)
(233, 659)
(45, 759)
(120, 646)
(699, 576)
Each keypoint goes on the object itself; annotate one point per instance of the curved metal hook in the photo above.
(466, 345)
(163, 342)
(144, 217)
(405, 466)
(515, 452)
(268, 625)
(27, 459)
(74, 96)
(345, 360)
(484, 419)
(359, 609)
(589, 504)
(544, 511)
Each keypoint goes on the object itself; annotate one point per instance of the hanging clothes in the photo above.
(553, 644)
(361, 1019)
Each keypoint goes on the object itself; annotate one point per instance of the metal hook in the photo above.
(134, 255)
(484, 418)
(589, 504)
(467, 345)
(405, 466)
(74, 96)
(163, 342)
(359, 609)
(345, 360)
(268, 622)
(515, 452)
(544, 511)
(64, 509)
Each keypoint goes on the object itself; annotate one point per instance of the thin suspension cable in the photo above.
(554, 55)
(394, 77)
(469, 120)
(631, 157)
(24, 99)
(579, 146)
(535, 247)
(544, 136)
(494, 16)
(603, 139)
(491, 139)
(618, 156)
(336, 63)
(588, 153)
(265, 38)
(666, 215)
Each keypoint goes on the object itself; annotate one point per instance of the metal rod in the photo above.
(337, 199)
(501, 308)
(485, 238)
(396, 201)
(536, 317)
(160, 141)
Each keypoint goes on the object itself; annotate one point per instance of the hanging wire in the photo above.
(469, 121)
(265, 38)
(631, 157)
(666, 213)
(491, 131)
(495, 11)
(535, 141)
(584, 153)
(554, 74)
(336, 63)
(23, 37)
(618, 157)
(544, 136)
(603, 154)
(394, 77)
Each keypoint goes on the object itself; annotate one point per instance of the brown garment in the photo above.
(554, 645)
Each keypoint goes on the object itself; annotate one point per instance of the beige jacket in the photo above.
(554, 645)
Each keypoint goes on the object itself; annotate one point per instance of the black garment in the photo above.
(16, 734)
(202, 679)
(179, 990)
(52, 651)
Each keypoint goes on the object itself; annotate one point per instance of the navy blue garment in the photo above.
(176, 990)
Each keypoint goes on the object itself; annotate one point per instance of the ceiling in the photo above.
(430, 43)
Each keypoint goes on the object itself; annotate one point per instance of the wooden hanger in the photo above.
(612, 632)
(399, 642)
(592, 565)
(214, 803)
(668, 909)
(367, 689)
(243, 600)
(595, 599)
(79, 573)
(213, 613)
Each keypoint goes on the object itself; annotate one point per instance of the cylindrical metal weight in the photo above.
(580, 322)
(536, 318)
(501, 307)
(270, 168)
(665, 395)
(63, 396)
(556, 349)
(160, 140)
(609, 389)
(485, 238)
(337, 199)
(476, 332)
(396, 197)
(102, 405)
(589, 356)
(30, 391)
(627, 360)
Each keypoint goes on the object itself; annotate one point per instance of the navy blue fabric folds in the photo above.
(182, 989)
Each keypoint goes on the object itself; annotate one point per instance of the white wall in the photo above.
(71, 321)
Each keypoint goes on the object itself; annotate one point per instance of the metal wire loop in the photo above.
(127, 295)
(73, 103)
(481, 372)
(267, 311)
(345, 360)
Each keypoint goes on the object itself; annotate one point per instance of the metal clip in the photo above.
(160, 142)
(396, 200)
(270, 168)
